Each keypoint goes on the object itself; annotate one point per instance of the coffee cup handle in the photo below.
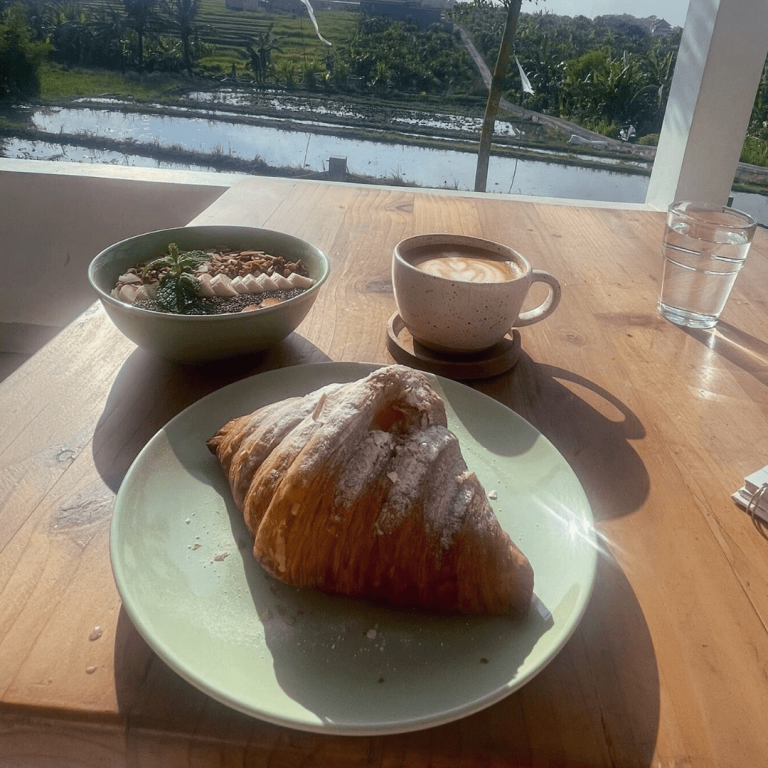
(548, 306)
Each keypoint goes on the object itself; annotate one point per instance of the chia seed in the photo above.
(224, 305)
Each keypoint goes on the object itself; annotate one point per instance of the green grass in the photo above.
(755, 152)
(59, 83)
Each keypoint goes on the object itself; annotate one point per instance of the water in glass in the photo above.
(699, 274)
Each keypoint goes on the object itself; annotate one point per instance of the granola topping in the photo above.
(229, 281)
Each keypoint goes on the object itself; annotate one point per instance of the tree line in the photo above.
(166, 35)
(113, 36)
(603, 76)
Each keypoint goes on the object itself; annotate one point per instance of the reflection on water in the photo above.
(424, 167)
(281, 102)
(45, 150)
(307, 150)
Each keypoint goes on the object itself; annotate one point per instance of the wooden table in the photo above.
(668, 666)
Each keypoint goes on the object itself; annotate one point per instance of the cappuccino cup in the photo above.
(459, 294)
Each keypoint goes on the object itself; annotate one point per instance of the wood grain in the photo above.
(660, 424)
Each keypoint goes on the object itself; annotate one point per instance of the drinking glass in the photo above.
(704, 249)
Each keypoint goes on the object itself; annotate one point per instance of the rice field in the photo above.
(230, 31)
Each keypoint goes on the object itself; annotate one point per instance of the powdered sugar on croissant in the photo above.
(361, 489)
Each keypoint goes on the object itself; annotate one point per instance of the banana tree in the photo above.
(598, 88)
(758, 122)
(41, 17)
(260, 53)
(651, 99)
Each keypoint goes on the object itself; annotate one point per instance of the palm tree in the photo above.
(140, 16)
(494, 93)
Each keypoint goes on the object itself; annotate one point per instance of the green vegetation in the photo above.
(603, 77)
(59, 83)
(219, 38)
(405, 57)
(755, 151)
(595, 75)
(598, 76)
(201, 38)
(20, 57)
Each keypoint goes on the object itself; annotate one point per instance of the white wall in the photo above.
(719, 64)
(55, 217)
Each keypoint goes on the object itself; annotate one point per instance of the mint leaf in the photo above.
(193, 259)
(179, 294)
(163, 261)
(178, 290)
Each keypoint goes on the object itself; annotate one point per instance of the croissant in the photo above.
(361, 489)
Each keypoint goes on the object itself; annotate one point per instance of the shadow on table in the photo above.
(149, 391)
(150, 695)
(590, 427)
(744, 351)
(596, 703)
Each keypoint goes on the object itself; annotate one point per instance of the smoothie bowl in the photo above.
(200, 294)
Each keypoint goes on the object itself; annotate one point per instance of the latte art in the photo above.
(464, 263)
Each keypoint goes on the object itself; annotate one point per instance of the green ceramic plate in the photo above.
(182, 561)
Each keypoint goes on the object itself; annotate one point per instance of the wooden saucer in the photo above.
(479, 365)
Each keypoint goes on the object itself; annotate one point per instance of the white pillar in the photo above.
(718, 70)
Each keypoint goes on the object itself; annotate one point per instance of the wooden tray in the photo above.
(499, 359)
